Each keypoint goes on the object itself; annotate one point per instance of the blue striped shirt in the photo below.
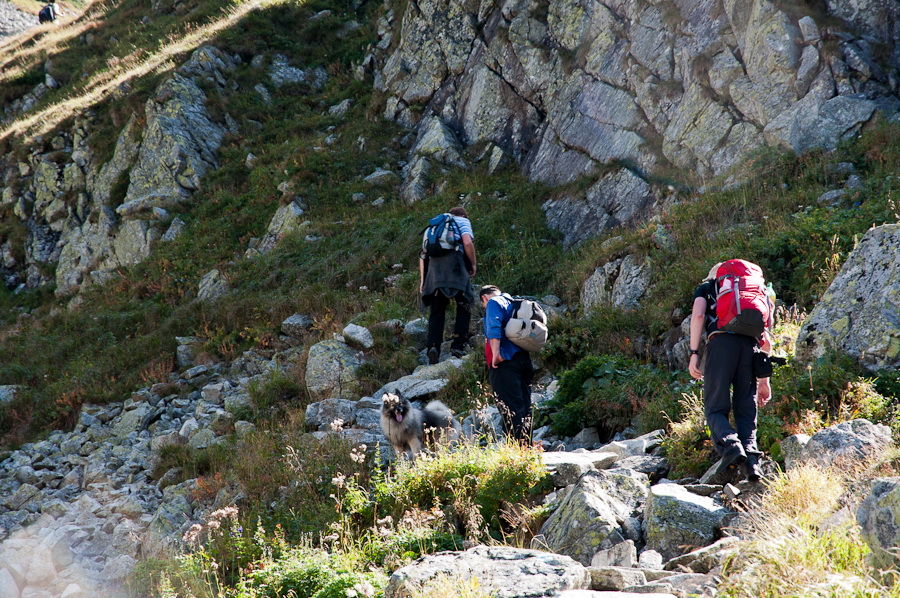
(465, 228)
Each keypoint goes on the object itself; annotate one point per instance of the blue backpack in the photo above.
(441, 236)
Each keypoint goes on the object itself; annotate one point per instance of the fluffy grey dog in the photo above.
(409, 428)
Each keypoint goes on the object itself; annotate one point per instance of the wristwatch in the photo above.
(695, 352)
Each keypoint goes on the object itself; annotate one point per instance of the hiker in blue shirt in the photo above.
(509, 367)
(449, 277)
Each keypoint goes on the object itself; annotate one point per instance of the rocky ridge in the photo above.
(568, 89)
(89, 217)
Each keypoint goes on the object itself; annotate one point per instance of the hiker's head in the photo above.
(486, 292)
(712, 272)
(459, 211)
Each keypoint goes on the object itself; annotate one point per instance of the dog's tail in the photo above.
(438, 415)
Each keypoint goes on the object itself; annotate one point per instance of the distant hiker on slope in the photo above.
(446, 268)
(733, 307)
(48, 13)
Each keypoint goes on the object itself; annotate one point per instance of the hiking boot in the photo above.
(752, 472)
(458, 353)
(727, 468)
(433, 355)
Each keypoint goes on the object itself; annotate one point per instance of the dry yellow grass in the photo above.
(806, 494)
(101, 84)
(445, 586)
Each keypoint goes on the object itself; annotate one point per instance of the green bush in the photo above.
(887, 383)
(688, 447)
(603, 330)
(274, 391)
(468, 484)
(311, 573)
(608, 392)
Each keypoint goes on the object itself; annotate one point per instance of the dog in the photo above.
(409, 428)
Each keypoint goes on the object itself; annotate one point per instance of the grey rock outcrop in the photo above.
(212, 286)
(860, 313)
(296, 325)
(585, 86)
(594, 516)
(358, 335)
(879, 519)
(424, 382)
(675, 520)
(90, 218)
(616, 199)
(331, 370)
(501, 571)
(845, 443)
(620, 283)
(566, 468)
(288, 219)
(323, 414)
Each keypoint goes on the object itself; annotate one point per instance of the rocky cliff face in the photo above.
(567, 88)
(87, 217)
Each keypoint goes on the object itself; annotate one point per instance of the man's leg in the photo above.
(513, 396)
(436, 319)
(745, 409)
(461, 325)
(722, 356)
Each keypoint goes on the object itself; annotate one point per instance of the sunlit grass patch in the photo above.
(792, 551)
(102, 83)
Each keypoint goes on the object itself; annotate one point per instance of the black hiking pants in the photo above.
(437, 317)
(511, 381)
(730, 386)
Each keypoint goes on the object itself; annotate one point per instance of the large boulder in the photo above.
(598, 513)
(677, 521)
(846, 443)
(423, 383)
(288, 219)
(879, 520)
(860, 313)
(323, 414)
(331, 370)
(501, 571)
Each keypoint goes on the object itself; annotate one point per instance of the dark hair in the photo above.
(459, 211)
(488, 289)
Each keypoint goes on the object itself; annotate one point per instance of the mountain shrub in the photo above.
(468, 485)
(688, 447)
(608, 392)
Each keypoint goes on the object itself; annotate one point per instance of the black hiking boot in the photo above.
(727, 468)
(752, 471)
(433, 355)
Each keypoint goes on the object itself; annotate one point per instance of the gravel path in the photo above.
(13, 20)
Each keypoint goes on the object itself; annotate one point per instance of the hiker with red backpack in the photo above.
(733, 307)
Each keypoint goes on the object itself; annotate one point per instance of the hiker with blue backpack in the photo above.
(734, 307)
(447, 265)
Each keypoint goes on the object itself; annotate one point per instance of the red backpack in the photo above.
(742, 305)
